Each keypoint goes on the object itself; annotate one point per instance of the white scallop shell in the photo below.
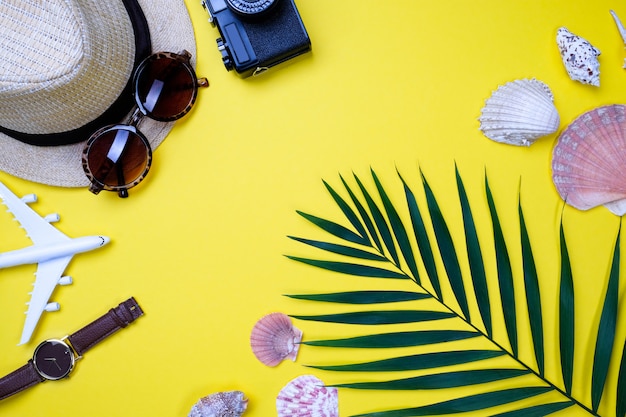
(220, 404)
(519, 112)
(579, 57)
(306, 396)
(589, 158)
(274, 339)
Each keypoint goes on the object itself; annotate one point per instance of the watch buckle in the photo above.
(66, 340)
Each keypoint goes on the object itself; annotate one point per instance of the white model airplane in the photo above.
(51, 250)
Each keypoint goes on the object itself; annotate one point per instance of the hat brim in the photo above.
(170, 30)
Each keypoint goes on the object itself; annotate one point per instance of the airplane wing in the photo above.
(37, 228)
(48, 275)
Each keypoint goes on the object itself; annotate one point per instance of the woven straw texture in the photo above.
(62, 63)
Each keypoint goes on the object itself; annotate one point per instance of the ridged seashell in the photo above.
(274, 338)
(589, 158)
(579, 57)
(306, 396)
(220, 404)
(620, 28)
(519, 112)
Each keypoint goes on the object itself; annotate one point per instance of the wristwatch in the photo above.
(54, 359)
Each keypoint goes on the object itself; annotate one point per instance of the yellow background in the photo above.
(201, 243)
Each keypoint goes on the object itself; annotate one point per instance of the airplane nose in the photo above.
(105, 240)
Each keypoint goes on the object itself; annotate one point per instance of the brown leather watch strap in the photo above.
(20, 379)
(115, 319)
(81, 341)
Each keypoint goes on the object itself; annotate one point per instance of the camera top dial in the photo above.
(251, 9)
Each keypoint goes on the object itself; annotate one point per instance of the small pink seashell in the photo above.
(589, 158)
(220, 404)
(274, 338)
(306, 396)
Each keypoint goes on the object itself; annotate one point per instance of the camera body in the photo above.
(257, 34)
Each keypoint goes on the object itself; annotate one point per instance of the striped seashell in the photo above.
(588, 160)
(306, 396)
(519, 112)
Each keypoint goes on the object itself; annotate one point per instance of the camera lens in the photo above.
(251, 8)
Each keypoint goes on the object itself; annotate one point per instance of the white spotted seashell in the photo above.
(519, 112)
(220, 404)
(306, 396)
(579, 57)
(588, 160)
(274, 338)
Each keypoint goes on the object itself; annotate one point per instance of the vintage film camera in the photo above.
(257, 34)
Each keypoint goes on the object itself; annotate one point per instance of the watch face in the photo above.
(53, 359)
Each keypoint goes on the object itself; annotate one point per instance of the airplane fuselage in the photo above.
(40, 253)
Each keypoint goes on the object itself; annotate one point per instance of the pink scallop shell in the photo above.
(274, 338)
(220, 404)
(589, 158)
(306, 396)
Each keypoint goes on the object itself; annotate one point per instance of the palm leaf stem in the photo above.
(392, 258)
(497, 345)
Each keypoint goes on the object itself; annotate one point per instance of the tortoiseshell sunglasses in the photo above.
(118, 157)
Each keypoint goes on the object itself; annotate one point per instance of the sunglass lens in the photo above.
(165, 87)
(117, 158)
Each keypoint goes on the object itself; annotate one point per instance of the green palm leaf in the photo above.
(537, 410)
(398, 228)
(364, 297)
(335, 229)
(380, 223)
(446, 249)
(533, 297)
(416, 362)
(505, 274)
(441, 380)
(347, 211)
(465, 404)
(620, 407)
(566, 315)
(606, 332)
(367, 221)
(351, 268)
(397, 339)
(341, 249)
(395, 251)
(379, 317)
(475, 257)
(423, 242)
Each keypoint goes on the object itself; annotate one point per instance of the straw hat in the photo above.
(65, 71)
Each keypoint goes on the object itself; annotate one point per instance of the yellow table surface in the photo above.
(201, 243)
